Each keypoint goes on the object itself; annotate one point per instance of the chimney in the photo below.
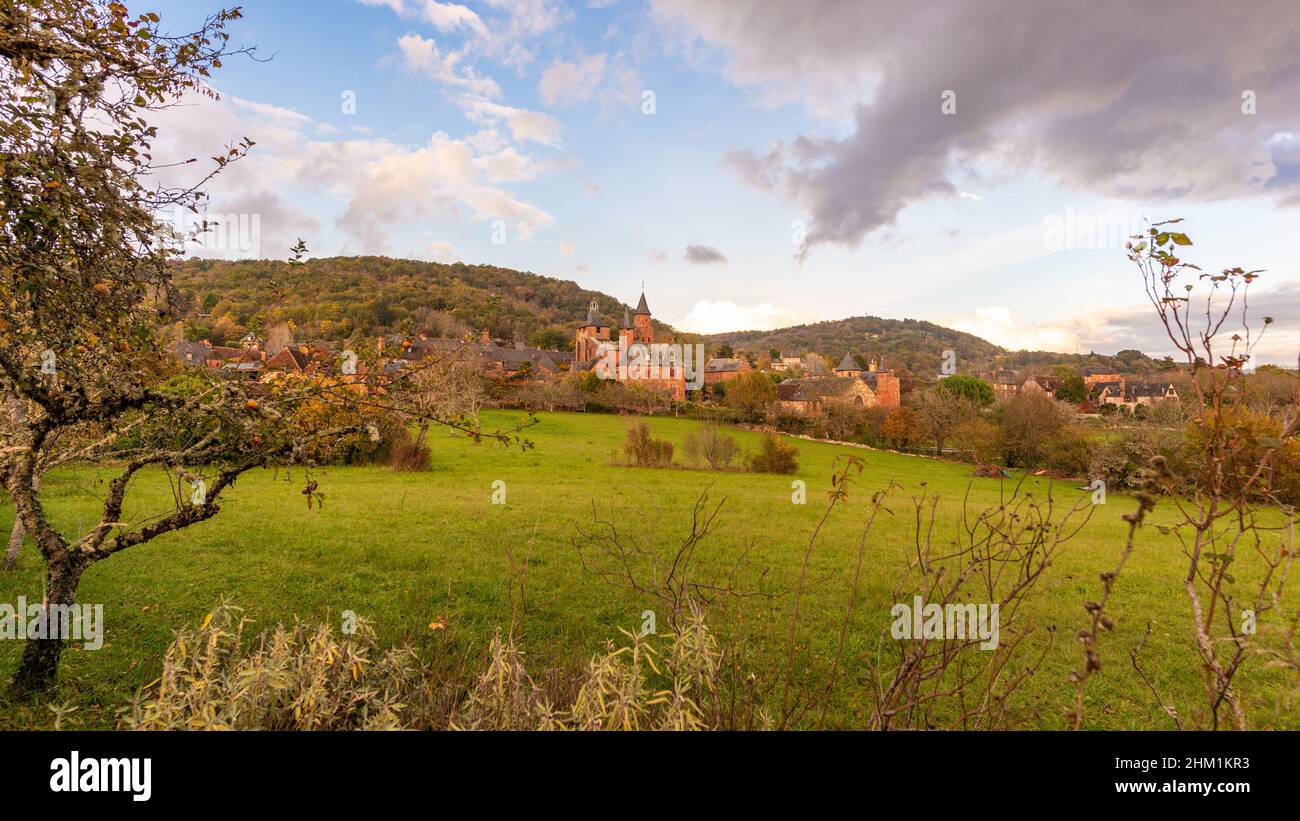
(871, 366)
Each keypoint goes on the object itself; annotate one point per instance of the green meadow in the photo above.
(411, 550)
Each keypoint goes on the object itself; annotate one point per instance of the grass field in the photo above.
(405, 548)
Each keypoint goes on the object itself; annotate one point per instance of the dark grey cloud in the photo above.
(1089, 92)
(704, 255)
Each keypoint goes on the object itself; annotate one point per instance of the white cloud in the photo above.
(715, 316)
(422, 56)
(997, 324)
(440, 252)
(442, 16)
(524, 125)
(565, 84)
(372, 186)
(567, 248)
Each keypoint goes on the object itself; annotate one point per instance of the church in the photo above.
(595, 349)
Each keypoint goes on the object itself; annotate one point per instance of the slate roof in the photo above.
(1146, 390)
(722, 365)
(192, 353)
(848, 363)
(594, 317)
(641, 307)
(811, 390)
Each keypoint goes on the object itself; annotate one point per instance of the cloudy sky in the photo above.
(976, 164)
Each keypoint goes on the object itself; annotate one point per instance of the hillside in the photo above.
(917, 346)
(338, 298)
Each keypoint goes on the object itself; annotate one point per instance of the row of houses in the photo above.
(1105, 387)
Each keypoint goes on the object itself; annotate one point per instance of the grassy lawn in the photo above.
(404, 548)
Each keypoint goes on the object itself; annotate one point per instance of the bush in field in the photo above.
(1032, 425)
(979, 440)
(843, 420)
(622, 688)
(774, 456)
(299, 678)
(902, 428)
(307, 678)
(1071, 452)
(712, 446)
(1249, 435)
(646, 451)
(404, 453)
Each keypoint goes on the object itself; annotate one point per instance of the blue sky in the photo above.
(802, 152)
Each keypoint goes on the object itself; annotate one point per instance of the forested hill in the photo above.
(340, 298)
(917, 346)
(337, 298)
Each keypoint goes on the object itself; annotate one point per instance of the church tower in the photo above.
(590, 334)
(625, 331)
(643, 332)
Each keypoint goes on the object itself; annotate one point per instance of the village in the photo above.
(806, 383)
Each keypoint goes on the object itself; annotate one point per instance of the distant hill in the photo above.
(916, 346)
(341, 298)
(337, 298)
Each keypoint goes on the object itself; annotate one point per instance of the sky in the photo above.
(758, 165)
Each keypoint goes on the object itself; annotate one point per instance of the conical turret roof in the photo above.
(848, 363)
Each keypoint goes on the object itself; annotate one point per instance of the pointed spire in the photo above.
(848, 363)
(641, 307)
(627, 320)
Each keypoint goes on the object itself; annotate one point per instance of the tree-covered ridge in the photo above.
(917, 346)
(339, 298)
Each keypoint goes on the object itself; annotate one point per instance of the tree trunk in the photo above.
(17, 535)
(39, 670)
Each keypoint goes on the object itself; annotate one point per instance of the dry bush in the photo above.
(712, 446)
(299, 678)
(631, 687)
(307, 678)
(997, 558)
(646, 451)
(774, 456)
(404, 453)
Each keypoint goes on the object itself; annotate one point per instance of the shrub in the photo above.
(1032, 424)
(751, 392)
(299, 678)
(711, 445)
(979, 441)
(646, 451)
(902, 428)
(1071, 453)
(403, 453)
(774, 456)
(306, 678)
(968, 387)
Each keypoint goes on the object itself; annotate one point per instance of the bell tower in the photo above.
(642, 332)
